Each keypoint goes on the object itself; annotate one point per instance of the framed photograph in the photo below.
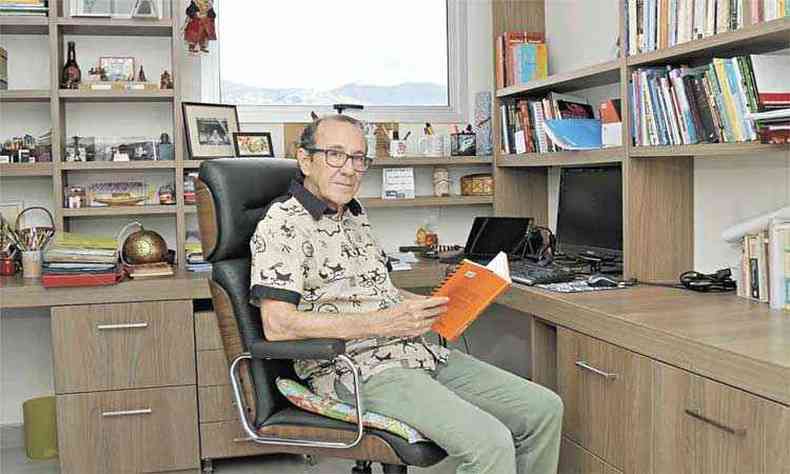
(253, 144)
(210, 129)
(117, 68)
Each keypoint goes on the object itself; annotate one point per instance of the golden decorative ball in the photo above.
(144, 246)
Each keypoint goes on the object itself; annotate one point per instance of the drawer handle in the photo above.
(144, 411)
(584, 365)
(735, 431)
(107, 327)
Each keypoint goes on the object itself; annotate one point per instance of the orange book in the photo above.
(471, 289)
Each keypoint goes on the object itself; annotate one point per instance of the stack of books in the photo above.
(194, 254)
(706, 104)
(81, 260)
(23, 7)
(521, 56)
(765, 265)
(524, 121)
(657, 24)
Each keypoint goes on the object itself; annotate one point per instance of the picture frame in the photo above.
(253, 145)
(118, 68)
(209, 129)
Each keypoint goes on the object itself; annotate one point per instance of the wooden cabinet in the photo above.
(123, 346)
(125, 384)
(607, 393)
(702, 426)
(129, 431)
(576, 460)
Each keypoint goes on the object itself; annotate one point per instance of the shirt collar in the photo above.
(315, 205)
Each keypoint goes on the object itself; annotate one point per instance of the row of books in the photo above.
(524, 121)
(765, 265)
(521, 56)
(24, 8)
(194, 254)
(707, 104)
(657, 24)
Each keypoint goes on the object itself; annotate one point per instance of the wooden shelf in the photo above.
(119, 211)
(563, 158)
(592, 76)
(427, 201)
(115, 165)
(760, 38)
(115, 27)
(190, 209)
(75, 95)
(705, 150)
(25, 169)
(192, 163)
(24, 25)
(25, 95)
(427, 161)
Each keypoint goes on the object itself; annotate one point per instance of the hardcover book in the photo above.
(471, 289)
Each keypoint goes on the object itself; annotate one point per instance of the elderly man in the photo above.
(318, 272)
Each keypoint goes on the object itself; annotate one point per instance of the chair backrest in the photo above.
(233, 194)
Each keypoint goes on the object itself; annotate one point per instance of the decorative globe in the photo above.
(144, 246)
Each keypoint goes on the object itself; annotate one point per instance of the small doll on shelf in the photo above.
(199, 29)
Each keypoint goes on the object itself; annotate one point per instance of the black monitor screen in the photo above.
(490, 235)
(590, 214)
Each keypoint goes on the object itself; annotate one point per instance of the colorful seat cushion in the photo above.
(307, 400)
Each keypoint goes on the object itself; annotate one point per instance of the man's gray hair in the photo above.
(307, 139)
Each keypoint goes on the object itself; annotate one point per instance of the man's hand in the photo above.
(414, 317)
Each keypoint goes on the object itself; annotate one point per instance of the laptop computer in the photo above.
(491, 235)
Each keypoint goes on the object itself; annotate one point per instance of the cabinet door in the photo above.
(129, 431)
(607, 393)
(576, 460)
(121, 346)
(704, 427)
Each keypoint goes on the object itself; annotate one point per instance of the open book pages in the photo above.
(500, 266)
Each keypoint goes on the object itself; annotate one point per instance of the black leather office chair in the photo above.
(232, 196)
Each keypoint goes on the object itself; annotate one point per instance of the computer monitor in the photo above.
(490, 235)
(590, 212)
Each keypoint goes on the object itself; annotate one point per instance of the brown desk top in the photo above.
(724, 337)
(727, 338)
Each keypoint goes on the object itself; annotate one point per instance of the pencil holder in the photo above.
(397, 148)
(32, 263)
(432, 145)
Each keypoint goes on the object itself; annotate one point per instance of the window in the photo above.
(285, 58)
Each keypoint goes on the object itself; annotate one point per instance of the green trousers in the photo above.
(488, 419)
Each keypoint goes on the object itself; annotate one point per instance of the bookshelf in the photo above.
(57, 25)
(658, 189)
(427, 201)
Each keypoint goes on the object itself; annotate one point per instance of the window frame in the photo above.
(457, 87)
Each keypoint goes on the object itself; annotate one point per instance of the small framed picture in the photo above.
(210, 129)
(253, 144)
(117, 68)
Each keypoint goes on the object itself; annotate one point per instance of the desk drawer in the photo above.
(122, 346)
(607, 396)
(576, 460)
(732, 431)
(129, 431)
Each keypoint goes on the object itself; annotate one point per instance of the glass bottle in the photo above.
(71, 71)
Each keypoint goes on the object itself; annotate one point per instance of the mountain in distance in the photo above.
(408, 93)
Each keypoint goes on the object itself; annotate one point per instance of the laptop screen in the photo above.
(490, 235)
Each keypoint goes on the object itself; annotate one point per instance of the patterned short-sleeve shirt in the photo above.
(306, 254)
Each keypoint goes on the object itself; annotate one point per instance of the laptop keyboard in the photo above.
(532, 274)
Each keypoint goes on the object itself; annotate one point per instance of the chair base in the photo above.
(394, 469)
(362, 467)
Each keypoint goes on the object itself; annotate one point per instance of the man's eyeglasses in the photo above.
(337, 159)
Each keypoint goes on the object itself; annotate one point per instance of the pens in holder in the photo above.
(406, 137)
(428, 129)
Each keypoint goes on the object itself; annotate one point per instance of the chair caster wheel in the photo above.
(394, 469)
(362, 467)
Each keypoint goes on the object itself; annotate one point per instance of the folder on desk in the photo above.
(471, 288)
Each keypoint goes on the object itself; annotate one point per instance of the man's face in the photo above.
(336, 186)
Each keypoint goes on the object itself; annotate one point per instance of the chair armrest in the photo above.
(316, 349)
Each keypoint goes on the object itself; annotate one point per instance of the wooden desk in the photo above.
(724, 359)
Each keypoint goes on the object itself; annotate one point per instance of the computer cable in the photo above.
(719, 282)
